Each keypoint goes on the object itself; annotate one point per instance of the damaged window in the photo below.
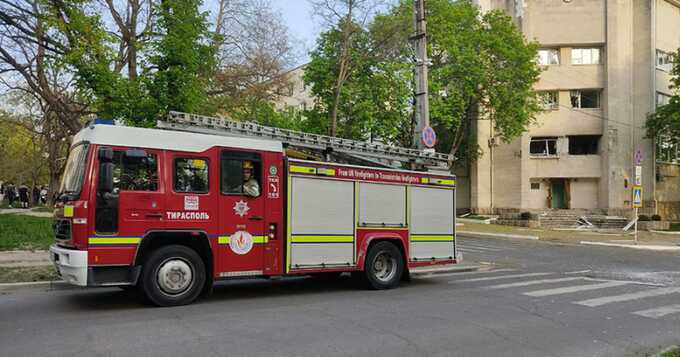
(549, 100)
(585, 99)
(548, 56)
(583, 144)
(585, 56)
(543, 146)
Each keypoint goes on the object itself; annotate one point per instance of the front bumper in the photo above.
(70, 264)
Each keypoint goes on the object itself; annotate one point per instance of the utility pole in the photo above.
(422, 108)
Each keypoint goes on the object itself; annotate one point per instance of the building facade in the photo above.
(605, 68)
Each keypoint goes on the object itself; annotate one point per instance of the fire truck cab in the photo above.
(166, 211)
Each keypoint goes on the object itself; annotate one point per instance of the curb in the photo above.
(457, 268)
(658, 248)
(666, 232)
(36, 285)
(498, 235)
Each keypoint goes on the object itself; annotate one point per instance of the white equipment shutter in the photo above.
(432, 223)
(382, 205)
(322, 222)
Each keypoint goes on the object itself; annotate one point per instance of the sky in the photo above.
(304, 28)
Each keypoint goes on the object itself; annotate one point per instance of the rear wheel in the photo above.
(384, 266)
(173, 275)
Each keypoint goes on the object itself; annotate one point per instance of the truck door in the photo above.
(137, 201)
(242, 234)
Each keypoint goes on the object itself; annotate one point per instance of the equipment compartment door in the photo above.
(322, 220)
(432, 223)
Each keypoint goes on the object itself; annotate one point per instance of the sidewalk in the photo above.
(659, 241)
(24, 258)
(25, 212)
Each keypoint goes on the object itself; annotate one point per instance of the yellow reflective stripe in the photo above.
(302, 169)
(68, 211)
(114, 240)
(325, 171)
(322, 239)
(256, 239)
(432, 238)
(445, 182)
(424, 180)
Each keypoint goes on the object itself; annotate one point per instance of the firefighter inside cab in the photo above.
(250, 186)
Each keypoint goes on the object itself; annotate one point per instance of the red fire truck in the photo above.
(165, 210)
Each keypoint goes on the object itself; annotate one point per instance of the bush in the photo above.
(525, 216)
(656, 217)
(643, 218)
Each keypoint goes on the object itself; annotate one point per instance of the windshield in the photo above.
(74, 171)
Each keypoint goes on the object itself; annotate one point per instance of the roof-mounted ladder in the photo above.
(219, 126)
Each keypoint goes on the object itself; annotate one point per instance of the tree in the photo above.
(664, 124)
(482, 66)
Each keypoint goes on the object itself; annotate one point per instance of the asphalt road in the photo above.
(537, 299)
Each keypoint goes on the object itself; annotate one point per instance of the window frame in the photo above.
(582, 51)
(571, 139)
(240, 155)
(122, 166)
(550, 51)
(667, 57)
(544, 139)
(659, 99)
(550, 106)
(580, 98)
(174, 174)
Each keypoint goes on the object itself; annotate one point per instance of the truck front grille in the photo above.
(62, 229)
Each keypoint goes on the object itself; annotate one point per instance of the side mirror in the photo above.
(105, 177)
(105, 154)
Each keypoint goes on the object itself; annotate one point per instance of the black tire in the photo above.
(176, 288)
(383, 267)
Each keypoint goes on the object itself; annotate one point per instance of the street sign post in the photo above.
(638, 175)
(637, 203)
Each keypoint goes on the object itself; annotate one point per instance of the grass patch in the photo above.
(25, 232)
(27, 274)
(675, 352)
(675, 227)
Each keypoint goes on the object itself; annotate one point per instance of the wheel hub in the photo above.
(174, 276)
(384, 266)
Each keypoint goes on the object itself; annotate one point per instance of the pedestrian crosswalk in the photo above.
(569, 285)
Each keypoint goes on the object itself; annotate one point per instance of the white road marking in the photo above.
(627, 297)
(484, 247)
(532, 282)
(659, 311)
(466, 273)
(525, 275)
(575, 288)
(578, 272)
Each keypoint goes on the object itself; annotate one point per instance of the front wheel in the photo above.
(173, 275)
(384, 266)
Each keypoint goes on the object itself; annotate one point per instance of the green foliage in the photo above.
(25, 232)
(478, 61)
(182, 59)
(666, 121)
(178, 61)
(22, 154)
(375, 97)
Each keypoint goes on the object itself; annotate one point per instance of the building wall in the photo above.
(507, 174)
(584, 193)
(553, 22)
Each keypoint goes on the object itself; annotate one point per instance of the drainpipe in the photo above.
(653, 99)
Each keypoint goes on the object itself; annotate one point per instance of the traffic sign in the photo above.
(429, 137)
(638, 157)
(637, 196)
(638, 175)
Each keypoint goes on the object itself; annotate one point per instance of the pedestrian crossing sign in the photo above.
(637, 196)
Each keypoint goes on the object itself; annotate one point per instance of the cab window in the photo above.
(135, 172)
(191, 175)
(232, 165)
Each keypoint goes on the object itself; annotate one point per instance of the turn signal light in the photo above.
(272, 231)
